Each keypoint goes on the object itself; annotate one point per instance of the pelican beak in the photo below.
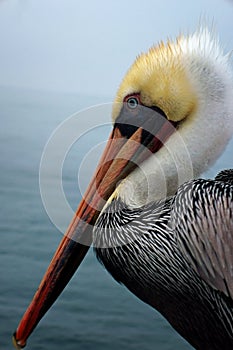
(122, 154)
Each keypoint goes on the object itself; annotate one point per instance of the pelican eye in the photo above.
(132, 102)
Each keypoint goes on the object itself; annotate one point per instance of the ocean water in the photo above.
(94, 312)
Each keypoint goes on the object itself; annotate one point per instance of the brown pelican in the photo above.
(166, 237)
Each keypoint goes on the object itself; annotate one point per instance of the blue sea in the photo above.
(94, 312)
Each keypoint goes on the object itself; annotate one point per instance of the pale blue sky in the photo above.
(86, 46)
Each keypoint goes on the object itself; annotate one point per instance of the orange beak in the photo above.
(121, 155)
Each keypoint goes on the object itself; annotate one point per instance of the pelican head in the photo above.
(172, 118)
(190, 80)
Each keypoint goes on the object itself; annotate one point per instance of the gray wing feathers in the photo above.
(202, 218)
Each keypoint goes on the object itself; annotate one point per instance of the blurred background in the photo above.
(56, 58)
(85, 47)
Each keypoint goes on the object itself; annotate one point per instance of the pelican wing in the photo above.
(202, 218)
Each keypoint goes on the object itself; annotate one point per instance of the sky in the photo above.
(87, 46)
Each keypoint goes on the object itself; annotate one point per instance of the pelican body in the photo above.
(160, 231)
(154, 268)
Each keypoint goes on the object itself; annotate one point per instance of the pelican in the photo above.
(158, 229)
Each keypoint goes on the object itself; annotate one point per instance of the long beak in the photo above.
(120, 157)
